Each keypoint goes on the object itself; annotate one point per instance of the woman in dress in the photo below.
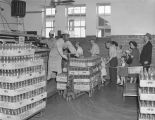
(135, 55)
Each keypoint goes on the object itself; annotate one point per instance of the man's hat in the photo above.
(65, 32)
(51, 32)
(148, 35)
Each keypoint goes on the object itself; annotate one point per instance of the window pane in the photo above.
(83, 23)
(48, 11)
(77, 32)
(53, 11)
(77, 23)
(70, 10)
(48, 24)
(47, 31)
(83, 32)
(77, 10)
(101, 9)
(107, 9)
(99, 33)
(83, 10)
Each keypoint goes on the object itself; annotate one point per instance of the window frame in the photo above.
(76, 17)
(49, 18)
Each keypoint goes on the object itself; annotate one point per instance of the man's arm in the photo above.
(60, 49)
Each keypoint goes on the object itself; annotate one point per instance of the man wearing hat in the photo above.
(146, 53)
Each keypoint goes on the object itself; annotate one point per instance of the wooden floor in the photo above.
(106, 104)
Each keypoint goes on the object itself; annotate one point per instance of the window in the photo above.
(76, 21)
(103, 20)
(77, 10)
(104, 9)
(49, 20)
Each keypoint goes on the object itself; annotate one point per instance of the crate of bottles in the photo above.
(147, 79)
(62, 77)
(87, 83)
(23, 112)
(147, 107)
(84, 70)
(85, 62)
(146, 117)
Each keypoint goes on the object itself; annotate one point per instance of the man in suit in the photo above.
(146, 53)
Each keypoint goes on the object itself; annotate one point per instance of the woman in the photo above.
(135, 55)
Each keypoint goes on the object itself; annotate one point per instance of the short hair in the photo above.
(134, 43)
(114, 43)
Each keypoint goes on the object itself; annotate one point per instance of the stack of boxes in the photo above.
(147, 95)
(22, 82)
(85, 73)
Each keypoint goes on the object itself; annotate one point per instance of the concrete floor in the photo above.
(106, 104)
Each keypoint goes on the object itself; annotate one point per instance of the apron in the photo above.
(54, 62)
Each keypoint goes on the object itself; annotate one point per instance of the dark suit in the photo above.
(146, 54)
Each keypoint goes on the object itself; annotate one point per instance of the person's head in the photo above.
(65, 35)
(133, 44)
(108, 44)
(92, 41)
(114, 43)
(51, 34)
(77, 44)
(147, 37)
(123, 58)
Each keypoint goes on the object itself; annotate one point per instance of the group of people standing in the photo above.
(116, 54)
(131, 57)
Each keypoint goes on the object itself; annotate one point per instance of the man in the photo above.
(95, 50)
(54, 61)
(146, 53)
(112, 46)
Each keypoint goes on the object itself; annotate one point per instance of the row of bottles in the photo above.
(15, 46)
(16, 59)
(24, 96)
(147, 90)
(85, 62)
(147, 103)
(17, 85)
(91, 69)
(22, 71)
(147, 75)
(85, 76)
(20, 110)
(146, 117)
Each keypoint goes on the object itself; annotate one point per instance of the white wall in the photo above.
(7, 15)
(129, 17)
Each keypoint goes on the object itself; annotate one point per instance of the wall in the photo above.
(129, 17)
(7, 15)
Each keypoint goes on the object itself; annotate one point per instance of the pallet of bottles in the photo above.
(84, 70)
(22, 113)
(84, 62)
(22, 82)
